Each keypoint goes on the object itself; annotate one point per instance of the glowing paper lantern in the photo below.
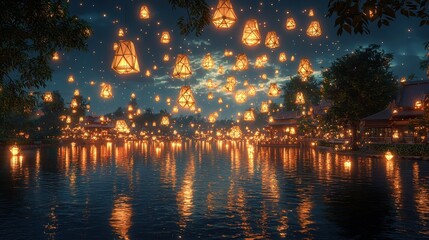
(282, 57)
(165, 121)
(272, 40)
(249, 116)
(314, 29)
(47, 97)
(14, 150)
(186, 98)
(235, 132)
(70, 79)
(290, 23)
(230, 84)
(228, 53)
(207, 62)
(292, 58)
(121, 32)
(274, 90)
(115, 46)
(240, 97)
(210, 83)
(251, 35)
(220, 101)
(76, 92)
(166, 58)
(311, 13)
(182, 68)
(210, 96)
(165, 37)
(300, 100)
(175, 109)
(224, 15)
(220, 70)
(55, 56)
(241, 62)
(144, 12)
(121, 126)
(106, 91)
(133, 95)
(125, 59)
(73, 103)
(212, 118)
(304, 68)
(251, 90)
(264, 107)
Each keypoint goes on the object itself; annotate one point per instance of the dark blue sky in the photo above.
(404, 38)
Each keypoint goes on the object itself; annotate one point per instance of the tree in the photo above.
(358, 84)
(31, 31)
(50, 123)
(310, 89)
(198, 16)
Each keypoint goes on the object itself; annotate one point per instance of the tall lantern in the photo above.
(106, 91)
(241, 62)
(47, 97)
(240, 96)
(300, 100)
(165, 37)
(282, 57)
(274, 90)
(125, 59)
(166, 58)
(249, 116)
(207, 62)
(144, 12)
(210, 96)
(182, 68)
(186, 99)
(290, 23)
(224, 15)
(314, 29)
(264, 107)
(251, 35)
(304, 68)
(272, 40)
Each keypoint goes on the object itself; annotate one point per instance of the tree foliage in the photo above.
(310, 89)
(199, 16)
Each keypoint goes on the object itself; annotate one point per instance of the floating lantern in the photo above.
(210, 83)
(175, 109)
(274, 90)
(125, 59)
(133, 95)
(130, 108)
(240, 97)
(14, 149)
(272, 40)
(220, 70)
(168, 101)
(264, 76)
(292, 58)
(251, 90)
(106, 91)
(165, 38)
(115, 46)
(182, 68)
(157, 98)
(290, 24)
(228, 53)
(68, 119)
(311, 13)
(165, 121)
(166, 58)
(186, 99)
(259, 63)
(245, 83)
(210, 96)
(55, 56)
(235, 132)
(249, 116)
(207, 62)
(282, 57)
(47, 97)
(241, 62)
(224, 15)
(121, 126)
(76, 92)
(220, 101)
(73, 103)
(144, 12)
(300, 100)
(251, 35)
(147, 73)
(264, 107)
(229, 87)
(304, 68)
(314, 29)
(388, 155)
(121, 32)
(70, 79)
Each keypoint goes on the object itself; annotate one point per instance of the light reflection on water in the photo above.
(211, 190)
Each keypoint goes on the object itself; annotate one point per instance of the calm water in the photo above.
(209, 190)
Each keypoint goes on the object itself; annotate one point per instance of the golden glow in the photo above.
(210, 96)
(106, 91)
(121, 217)
(157, 98)
(240, 97)
(235, 132)
(121, 126)
(314, 29)
(282, 57)
(125, 59)
(121, 32)
(224, 15)
(249, 116)
(165, 37)
(251, 90)
(300, 100)
(182, 68)
(144, 12)
(251, 35)
(74, 103)
(55, 56)
(241, 62)
(220, 101)
(304, 68)
(311, 13)
(210, 83)
(207, 62)
(14, 149)
(175, 109)
(186, 98)
(166, 58)
(274, 90)
(388, 155)
(418, 104)
(47, 97)
(264, 107)
(228, 53)
(272, 40)
(290, 23)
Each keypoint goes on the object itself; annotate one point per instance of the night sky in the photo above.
(404, 38)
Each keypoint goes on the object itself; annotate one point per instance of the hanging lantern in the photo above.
(264, 107)
(220, 101)
(55, 56)
(264, 76)
(207, 62)
(165, 121)
(210, 96)
(282, 57)
(292, 58)
(251, 35)
(186, 99)
(311, 13)
(210, 84)
(249, 116)
(259, 63)
(165, 38)
(144, 12)
(274, 90)
(14, 150)
(272, 40)
(147, 73)
(240, 97)
(70, 79)
(228, 53)
(121, 126)
(125, 59)
(106, 91)
(121, 32)
(300, 100)
(224, 15)
(166, 58)
(241, 62)
(182, 68)
(47, 97)
(290, 24)
(235, 132)
(304, 68)
(251, 90)
(314, 29)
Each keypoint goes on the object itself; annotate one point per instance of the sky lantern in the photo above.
(125, 59)
(47, 97)
(76, 92)
(168, 101)
(290, 23)
(235, 132)
(166, 58)
(314, 29)
(115, 46)
(224, 15)
(274, 90)
(210, 96)
(249, 116)
(121, 32)
(272, 40)
(251, 35)
(282, 57)
(106, 91)
(259, 63)
(292, 58)
(311, 13)
(304, 68)
(147, 73)
(133, 95)
(300, 100)
(264, 107)
(251, 90)
(220, 101)
(230, 84)
(165, 37)
(210, 84)
(207, 62)
(70, 79)
(74, 103)
(157, 98)
(121, 126)
(212, 117)
(220, 70)
(56, 56)
(144, 12)
(186, 98)
(241, 62)
(182, 68)
(240, 96)
(165, 121)
(264, 76)
(245, 83)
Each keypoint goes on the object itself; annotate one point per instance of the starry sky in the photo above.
(404, 38)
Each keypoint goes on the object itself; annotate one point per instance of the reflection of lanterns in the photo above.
(165, 37)
(388, 155)
(55, 56)
(249, 116)
(251, 35)
(240, 96)
(144, 12)
(165, 121)
(210, 96)
(224, 15)
(70, 79)
(274, 90)
(182, 68)
(121, 126)
(304, 68)
(290, 24)
(186, 99)
(76, 92)
(106, 91)
(210, 83)
(300, 100)
(235, 132)
(314, 29)
(47, 97)
(272, 40)
(251, 90)
(264, 107)
(166, 58)
(14, 149)
(282, 57)
(241, 62)
(121, 32)
(207, 62)
(147, 73)
(125, 59)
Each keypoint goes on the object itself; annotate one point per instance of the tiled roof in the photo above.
(411, 92)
